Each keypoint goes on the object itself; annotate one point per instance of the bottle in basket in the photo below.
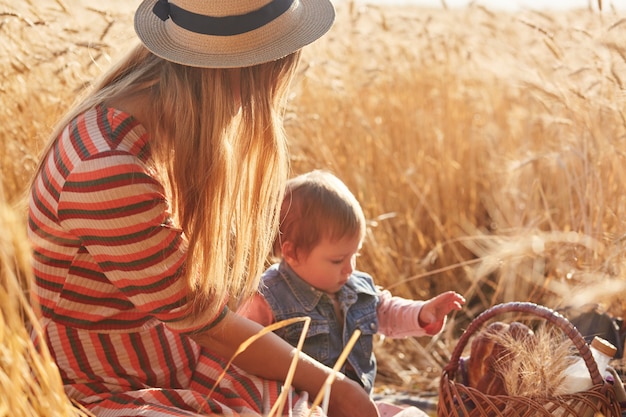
(577, 377)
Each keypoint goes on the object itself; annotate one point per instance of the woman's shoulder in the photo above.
(120, 124)
(103, 129)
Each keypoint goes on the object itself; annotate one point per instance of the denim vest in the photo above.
(289, 296)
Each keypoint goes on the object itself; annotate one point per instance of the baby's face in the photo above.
(329, 264)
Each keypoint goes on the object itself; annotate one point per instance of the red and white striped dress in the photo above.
(107, 264)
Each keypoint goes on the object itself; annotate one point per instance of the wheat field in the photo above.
(487, 149)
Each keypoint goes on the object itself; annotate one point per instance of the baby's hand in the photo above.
(434, 311)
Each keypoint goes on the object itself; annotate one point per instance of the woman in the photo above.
(154, 206)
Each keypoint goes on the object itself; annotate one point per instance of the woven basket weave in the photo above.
(458, 400)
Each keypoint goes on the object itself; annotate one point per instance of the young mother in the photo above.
(155, 205)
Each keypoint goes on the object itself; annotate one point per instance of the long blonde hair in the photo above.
(224, 169)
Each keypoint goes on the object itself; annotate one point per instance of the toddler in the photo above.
(322, 228)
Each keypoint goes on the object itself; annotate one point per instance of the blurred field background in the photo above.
(487, 149)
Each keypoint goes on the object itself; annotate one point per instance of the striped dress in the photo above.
(108, 277)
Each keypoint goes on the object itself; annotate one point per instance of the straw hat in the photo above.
(230, 33)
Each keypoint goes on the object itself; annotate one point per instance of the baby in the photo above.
(322, 227)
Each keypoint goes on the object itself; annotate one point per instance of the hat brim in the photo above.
(314, 19)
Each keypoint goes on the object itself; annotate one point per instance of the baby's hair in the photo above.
(317, 205)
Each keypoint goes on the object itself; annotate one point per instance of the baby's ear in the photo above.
(289, 252)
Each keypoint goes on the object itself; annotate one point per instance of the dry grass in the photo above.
(487, 149)
(51, 50)
(536, 365)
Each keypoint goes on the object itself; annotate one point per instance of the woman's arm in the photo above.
(270, 357)
(258, 310)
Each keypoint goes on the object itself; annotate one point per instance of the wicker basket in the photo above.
(456, 399)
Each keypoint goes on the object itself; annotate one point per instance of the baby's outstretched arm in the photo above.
(400, 317)
(434, 311)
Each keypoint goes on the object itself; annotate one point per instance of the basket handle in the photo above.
(532, 308)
